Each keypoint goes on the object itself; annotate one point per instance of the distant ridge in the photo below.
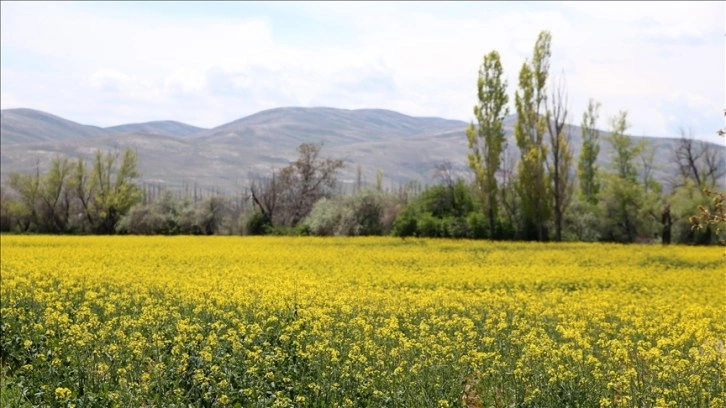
(161, 127)
(28, 125)
(175, 154)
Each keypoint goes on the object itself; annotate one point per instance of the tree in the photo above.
(713, 217)
(441, 211)
(625, 207)
(529, 130)
(696, 160)
(487, 140)
(28, 189)
(108, 190)
(559, 167)
(698, 208)
(363, 213)
(288, 196)
(55, 197)
(587, 168)
(44, 200)
(624, 152)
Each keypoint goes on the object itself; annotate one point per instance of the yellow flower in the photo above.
(62, 394)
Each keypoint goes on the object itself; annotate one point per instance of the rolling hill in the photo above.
(28, 125)
(174, 154)
(161, 127)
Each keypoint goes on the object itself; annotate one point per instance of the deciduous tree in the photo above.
(529, 131)
(559, 162)
(487, 139)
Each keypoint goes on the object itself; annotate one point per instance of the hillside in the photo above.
(28, 125)
(161, 127)
(174, 154)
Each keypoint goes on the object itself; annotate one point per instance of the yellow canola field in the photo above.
(369, 322)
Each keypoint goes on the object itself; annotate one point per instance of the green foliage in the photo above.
(363, 213)
(487, 140)
(587, 168)
(625, 216)
(478, 227)
(258, 223)
(442, 211)
(51, 202)
(406, 223)
(624, 152)
(108, 190)
(529, 130)
(631, 209)
(685, 202)
(175, 214)
(711, 216)
(582, 222)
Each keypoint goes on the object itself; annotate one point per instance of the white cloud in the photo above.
(421, 59)
(109, 80)
(8, 101)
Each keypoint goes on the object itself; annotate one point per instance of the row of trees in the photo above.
(548, 194)
(72, 196)
(303, 198)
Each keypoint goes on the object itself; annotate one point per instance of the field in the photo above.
(374, 322)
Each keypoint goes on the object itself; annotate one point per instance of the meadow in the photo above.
(358, 322)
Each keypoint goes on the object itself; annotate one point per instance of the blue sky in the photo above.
(207, 63)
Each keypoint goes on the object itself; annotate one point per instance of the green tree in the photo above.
(28, 189)
(43, 199)
(625, 200)
(693, 191)
(55, 198)
(487, 140)
(106, 191)
(441, 211)
(587, 168)
(529, 131)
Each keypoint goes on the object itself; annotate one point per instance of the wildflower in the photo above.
(62, 394)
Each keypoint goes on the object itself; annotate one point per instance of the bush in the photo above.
(477, 225)
(406, 224)
(442, 211)
(365, 213)
(258, 223)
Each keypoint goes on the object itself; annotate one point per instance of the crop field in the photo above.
(367, 322)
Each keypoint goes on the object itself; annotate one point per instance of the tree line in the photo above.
(544, 193)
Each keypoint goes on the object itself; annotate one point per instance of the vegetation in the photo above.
(487, 141)
(270, 321)
(529, 131)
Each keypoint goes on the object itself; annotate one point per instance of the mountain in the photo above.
(289, 127)
(176, 155)
(161, 127)
(28, 125)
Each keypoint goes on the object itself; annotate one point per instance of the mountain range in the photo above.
(174, 154)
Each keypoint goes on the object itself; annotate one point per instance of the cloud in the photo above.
(109, 80)
(8, 100)
(206, 68)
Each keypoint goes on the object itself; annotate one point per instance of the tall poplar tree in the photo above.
(587, 168)
(529, 131)
(487, 140)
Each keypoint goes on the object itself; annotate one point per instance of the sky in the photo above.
(209, 63)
